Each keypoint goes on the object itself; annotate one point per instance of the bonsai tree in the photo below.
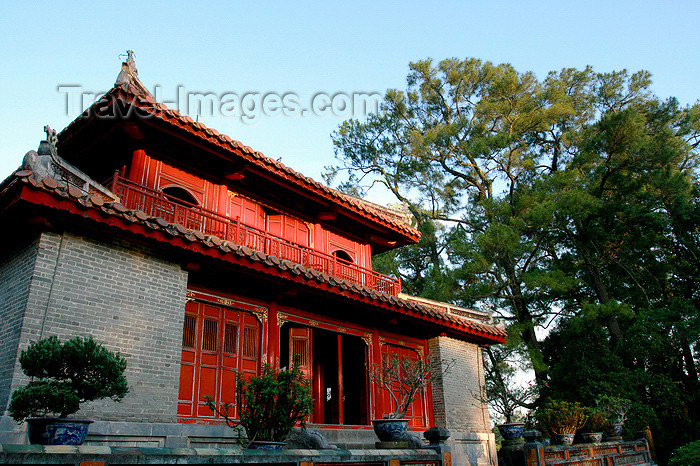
(405, 379)
(597, 421)
(561, 417)
(65, 375)
(614, 408)
(269, 405)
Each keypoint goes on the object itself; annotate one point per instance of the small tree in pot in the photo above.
(269, 405)
(404, 380)
(562, 419)
(615, 410)
(65, 375)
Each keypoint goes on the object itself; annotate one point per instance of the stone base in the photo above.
(394, 445)
(473, 448)
(71, 455)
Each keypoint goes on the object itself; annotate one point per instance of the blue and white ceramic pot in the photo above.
(564, 439)
(390, 430)
(52, 431)
(265, 445)
(592, 437)
(511, 431)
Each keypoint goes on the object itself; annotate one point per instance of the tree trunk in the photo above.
(689, 363)
(597, 284)
(524, 317)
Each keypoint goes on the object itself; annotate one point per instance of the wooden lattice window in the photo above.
(300, 351)
(189, 333)
(250, 342)
(210, 334)
(230, 338)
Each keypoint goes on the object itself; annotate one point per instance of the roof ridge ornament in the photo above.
(48, 145)
(130, 63)
(129, 75)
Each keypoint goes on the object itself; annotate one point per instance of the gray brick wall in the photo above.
(456, 397)
(128, 300)
(456, 401)
(16, 268)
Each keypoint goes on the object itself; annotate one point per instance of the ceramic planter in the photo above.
(266, 445)
(614, 433)
(390, 430)
(57, 431)
(592, 437)
(564, 439)
(512, 430)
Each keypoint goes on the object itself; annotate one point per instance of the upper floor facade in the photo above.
(166, 165)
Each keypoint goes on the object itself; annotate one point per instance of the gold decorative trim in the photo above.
(260, 313)
(226, 302)
(231, 194)
(281, 319)
(367, 338)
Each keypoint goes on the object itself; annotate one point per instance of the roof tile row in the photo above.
(185, 122)
(156, 223)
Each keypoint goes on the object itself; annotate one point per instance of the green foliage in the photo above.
(687, 455)
(614, 408)
(68, 374)
(270, 404)
(597, 421)
(570, 203)
(43, 398)
(561, 417)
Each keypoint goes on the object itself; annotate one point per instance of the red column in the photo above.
(273, 337)
(375, 357)
(138, 163)
(340, 378)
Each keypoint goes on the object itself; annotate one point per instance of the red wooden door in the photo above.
(416, 412)
(217, 342)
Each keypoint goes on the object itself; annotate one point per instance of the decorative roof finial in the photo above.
(50, 135)
(129, 70)
(130, 63)
(128, 78)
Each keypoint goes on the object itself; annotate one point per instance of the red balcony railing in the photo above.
(194, 217)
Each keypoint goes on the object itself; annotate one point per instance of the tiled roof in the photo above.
(489, 333)
(145, 101)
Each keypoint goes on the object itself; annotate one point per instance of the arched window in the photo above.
(180, 208)
(180, 195)
(343, 256)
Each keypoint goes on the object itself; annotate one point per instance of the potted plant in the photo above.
(596, 424)
(562, 419)
(503, 393)
(404, 380)
(615, 410)
(269, 405)
(64, 376)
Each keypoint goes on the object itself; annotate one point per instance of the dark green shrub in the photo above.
(269, 404)
(687, 455)
(67, 374)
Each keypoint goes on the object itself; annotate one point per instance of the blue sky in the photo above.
(307, 48)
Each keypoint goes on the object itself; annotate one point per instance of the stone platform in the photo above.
(105, 456)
